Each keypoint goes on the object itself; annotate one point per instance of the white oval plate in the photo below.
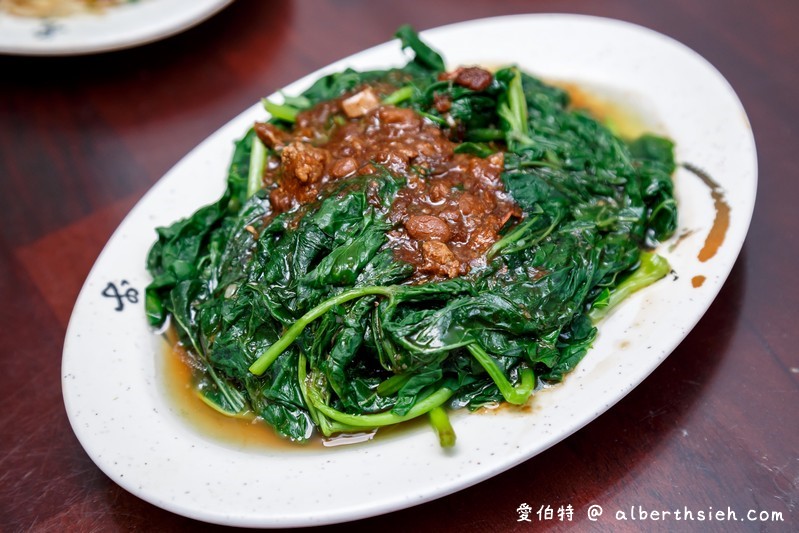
(114, 28)
(111, 380)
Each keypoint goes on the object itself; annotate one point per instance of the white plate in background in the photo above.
(113, 28)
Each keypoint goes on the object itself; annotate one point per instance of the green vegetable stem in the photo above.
(272, 353)
(652, 268)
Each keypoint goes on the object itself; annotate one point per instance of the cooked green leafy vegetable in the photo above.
(303, 310)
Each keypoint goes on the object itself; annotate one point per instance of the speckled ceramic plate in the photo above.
(112, 370)
(114, 28)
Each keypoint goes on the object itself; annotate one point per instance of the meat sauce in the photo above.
(453, 205)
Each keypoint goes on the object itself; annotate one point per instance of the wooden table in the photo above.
(83, 138)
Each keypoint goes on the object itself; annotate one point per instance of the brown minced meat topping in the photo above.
(452, 207)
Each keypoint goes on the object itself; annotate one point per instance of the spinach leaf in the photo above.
(424, 56)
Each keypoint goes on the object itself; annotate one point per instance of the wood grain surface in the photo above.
(83, 138)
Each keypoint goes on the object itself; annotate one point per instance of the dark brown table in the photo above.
(83, 138)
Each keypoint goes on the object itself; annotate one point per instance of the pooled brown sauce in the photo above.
(613, 114)
(247, 433)
(721, 222)
(697, 281)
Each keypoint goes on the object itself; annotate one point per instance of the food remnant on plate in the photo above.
(721, 221)
(401, 242)
(56, 8)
